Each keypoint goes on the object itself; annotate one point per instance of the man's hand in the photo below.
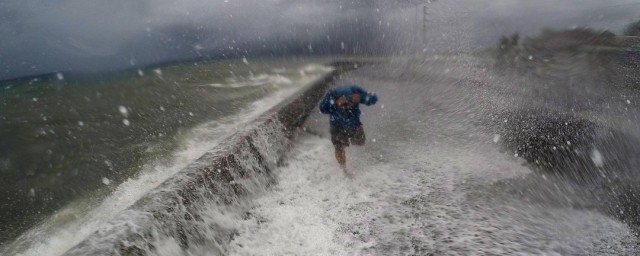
(341, 102)
(356, 98)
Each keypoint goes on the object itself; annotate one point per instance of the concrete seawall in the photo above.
(178, 210)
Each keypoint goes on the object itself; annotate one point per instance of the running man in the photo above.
(342, 104)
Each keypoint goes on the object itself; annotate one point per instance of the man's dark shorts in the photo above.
(342, 136)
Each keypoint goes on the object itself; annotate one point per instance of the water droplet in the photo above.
(597, 158)
(123, 110)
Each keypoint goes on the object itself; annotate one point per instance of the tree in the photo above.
(633, 29)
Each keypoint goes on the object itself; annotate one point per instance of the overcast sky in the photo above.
(42, 36)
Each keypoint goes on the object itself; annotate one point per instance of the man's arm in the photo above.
(367, 98)
(328, 103)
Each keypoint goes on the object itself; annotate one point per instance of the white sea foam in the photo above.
(418, 201)
(72, 224)
(276, 79)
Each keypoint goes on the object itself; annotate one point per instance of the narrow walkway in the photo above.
(430, 181)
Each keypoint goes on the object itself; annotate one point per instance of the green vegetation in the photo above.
(633, 29)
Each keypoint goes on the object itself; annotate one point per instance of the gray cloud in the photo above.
(79, 35)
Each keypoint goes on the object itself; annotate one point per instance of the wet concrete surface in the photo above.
(441, 173)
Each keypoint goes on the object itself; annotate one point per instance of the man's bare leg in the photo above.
(341, 156)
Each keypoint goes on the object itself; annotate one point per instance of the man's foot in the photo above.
(347, 172)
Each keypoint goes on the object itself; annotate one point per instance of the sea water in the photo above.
(79, 148)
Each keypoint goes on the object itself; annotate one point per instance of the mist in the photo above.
(77, 36)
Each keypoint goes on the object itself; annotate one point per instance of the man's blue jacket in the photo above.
(344, 118)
